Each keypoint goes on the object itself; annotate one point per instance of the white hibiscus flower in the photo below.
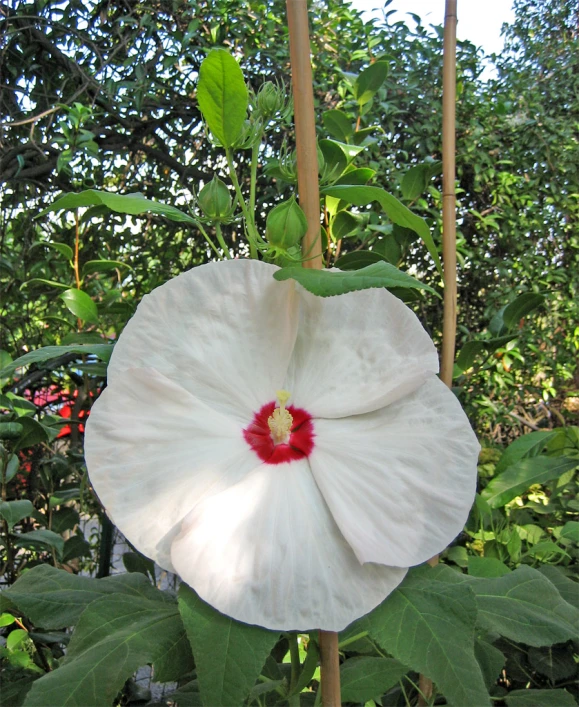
(289, 456)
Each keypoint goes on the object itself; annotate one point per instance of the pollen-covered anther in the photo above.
(280, 421)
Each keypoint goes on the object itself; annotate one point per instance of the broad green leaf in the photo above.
(395, 210)
(523, 305)
(62, 248)
(414, 181)
(222, 96)
(44, 538)
(540, 698)
(356, 177)
(366, 678)
(49, 353)
(324, 283)
(429, 626)
(509, 316)
(33, 433)
(15, 638)
(525, 607)
(6, 620)
(133, 204)
(570, 530)
(43, 281)
(528, 445)
(55, 599)
(491, 661)
(486, 567)
(14, 511)
(10, 430)
(555, 662)
(81, 305)
(343, 224)
(103, 266)
(359, 259)
(338, 124)
(468, 353)
(521, 475)
(369, 81)
(229, 655)
(566, 587)
(115, 636)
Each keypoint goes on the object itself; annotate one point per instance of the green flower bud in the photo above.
(286, 225)
(215, 200)
(269, 101)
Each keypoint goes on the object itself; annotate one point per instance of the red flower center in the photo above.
(299, 444)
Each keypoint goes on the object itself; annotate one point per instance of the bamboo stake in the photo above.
(448, 229)
(309, 193)
(448, 192)
(305, 126)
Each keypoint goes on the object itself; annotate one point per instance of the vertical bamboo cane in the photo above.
(448, 227)
(309, 194)
(305, 126)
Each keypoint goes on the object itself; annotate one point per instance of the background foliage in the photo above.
(103, 95)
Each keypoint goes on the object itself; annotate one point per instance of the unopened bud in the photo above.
(286, 224)
(269, 101)
(215, 200)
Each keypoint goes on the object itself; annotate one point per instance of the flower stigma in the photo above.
(281, 420)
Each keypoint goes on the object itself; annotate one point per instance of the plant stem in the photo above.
(209, 241)
(294, 700)
(221, 241)
(253, 182)
(247, 215)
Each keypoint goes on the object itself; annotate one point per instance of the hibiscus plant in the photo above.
(278, 438)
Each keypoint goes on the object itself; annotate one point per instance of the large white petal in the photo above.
(267, 551)
(399, 481)
(153, 451)
(224, 331)
(356, 353)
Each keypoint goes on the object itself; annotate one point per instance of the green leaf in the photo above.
(103, 266)
(524, 607)
(369, 81)
(570, 530)
(519, 477)
(510, 315)
(468, 353)
(486, 567)
(528, 445)
(81, 305)
(15, 511)
(540, 698)
(33, 433)
(62, 248)
(43, 281)
(41, 537)
(359, 259)
(429, 626)
(115, 636)
(414, 182)
(523, 305)
(324, 283)
(133, 204)
(491, 661)
(49, 353)
(356, 177)
(343, 224)
(222, 96)
(229, 655)
(366, 678)
(566, 587)
(395, 210)
(55, 599)
(555, 662)
(338, 124)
